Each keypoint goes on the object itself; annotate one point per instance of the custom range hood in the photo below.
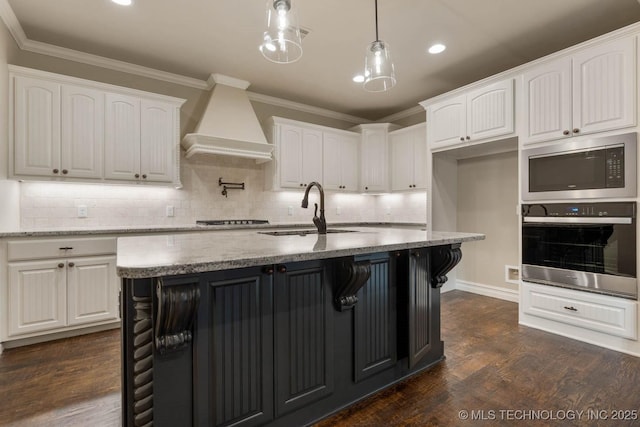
(229, 125)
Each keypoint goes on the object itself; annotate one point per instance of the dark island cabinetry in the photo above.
(283, 344)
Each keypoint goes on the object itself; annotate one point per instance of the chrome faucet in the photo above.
(321, 222)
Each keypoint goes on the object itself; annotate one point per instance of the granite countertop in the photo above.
(185, 253)
(89, 231)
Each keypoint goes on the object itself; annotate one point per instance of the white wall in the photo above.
(9, 190)
(487, 201)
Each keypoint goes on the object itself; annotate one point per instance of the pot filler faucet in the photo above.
(321, 223)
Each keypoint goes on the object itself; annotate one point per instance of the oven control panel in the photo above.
(606, 209)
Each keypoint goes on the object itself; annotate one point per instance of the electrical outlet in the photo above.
(290, 210)
(170, 211)
(82, 211)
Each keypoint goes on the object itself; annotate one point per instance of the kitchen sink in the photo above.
(303, 232)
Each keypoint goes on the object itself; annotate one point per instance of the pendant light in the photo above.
(379, 74)
(281, 41)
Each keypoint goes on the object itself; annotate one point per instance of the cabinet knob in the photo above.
(468, 138)
(144, 176)
(64, 171)
(267, 270)
(71, 264)
(61, 265)
(282, 269)
(56, 171)
(137, 175)
(576, 130)
(301, 185)
(462, 138)
(366, 188)
(566, 132)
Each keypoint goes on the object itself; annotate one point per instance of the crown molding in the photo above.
(11, 21)
(402, 114)
(279, 102)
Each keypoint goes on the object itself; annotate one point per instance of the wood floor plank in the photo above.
(492, 365)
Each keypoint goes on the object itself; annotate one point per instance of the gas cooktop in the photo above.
(231, 221)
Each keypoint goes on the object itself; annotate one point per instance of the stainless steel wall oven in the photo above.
(585, 246)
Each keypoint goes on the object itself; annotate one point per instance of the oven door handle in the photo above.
(578, 220)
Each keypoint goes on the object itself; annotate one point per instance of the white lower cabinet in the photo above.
(601, 313)
(56, 293)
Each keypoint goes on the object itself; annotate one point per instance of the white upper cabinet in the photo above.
(476, 116)
(409, 158)
(140, 139)
(69, 128)
(340, 161)
(297, 155)
(590, 91)
(36, 127)
(374, 158)
(122, 130)
(82, 133)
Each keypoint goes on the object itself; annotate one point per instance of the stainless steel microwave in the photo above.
(600, 167)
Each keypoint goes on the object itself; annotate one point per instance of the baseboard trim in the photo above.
(488, 290)
(19, 342)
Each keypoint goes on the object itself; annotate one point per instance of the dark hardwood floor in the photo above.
(496, 372)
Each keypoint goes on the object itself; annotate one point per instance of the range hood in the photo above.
(229, 125)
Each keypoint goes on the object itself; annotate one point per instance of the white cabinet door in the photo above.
(490, 111)
(349, 162)
(311, 156)
(37, 296)
(447, 123)
(92, 289)
(332, 161)
(604, 89)
(122, 137)
(36, 127)
(401, 161)
(289, 146)
(547, 101)
(340, 162)
(420, 158)
(374, 159)
(157, 141)
(82, 132)
(408, 158)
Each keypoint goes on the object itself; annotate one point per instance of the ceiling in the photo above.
(195, 38)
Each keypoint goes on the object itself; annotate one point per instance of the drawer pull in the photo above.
(570, 308)
(66, 248)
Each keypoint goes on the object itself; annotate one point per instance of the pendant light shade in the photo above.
(281, 41)
(379, 73)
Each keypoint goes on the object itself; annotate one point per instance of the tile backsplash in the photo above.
(45, 205)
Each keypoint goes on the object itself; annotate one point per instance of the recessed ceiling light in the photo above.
(122, 2)
(437, 48)
(358, 78)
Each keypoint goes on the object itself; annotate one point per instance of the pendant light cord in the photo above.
(376, 3)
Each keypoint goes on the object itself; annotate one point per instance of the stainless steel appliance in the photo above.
(595, 168)
(586, 246)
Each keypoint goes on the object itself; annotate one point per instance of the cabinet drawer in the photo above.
(56, 248)
(602, 313)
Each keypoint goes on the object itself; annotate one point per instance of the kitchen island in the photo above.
(252, 327)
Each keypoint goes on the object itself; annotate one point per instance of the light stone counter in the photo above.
(187, 228)
(185, 253)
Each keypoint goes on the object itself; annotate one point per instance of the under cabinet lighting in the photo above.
(122, 2)
(358, 78)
